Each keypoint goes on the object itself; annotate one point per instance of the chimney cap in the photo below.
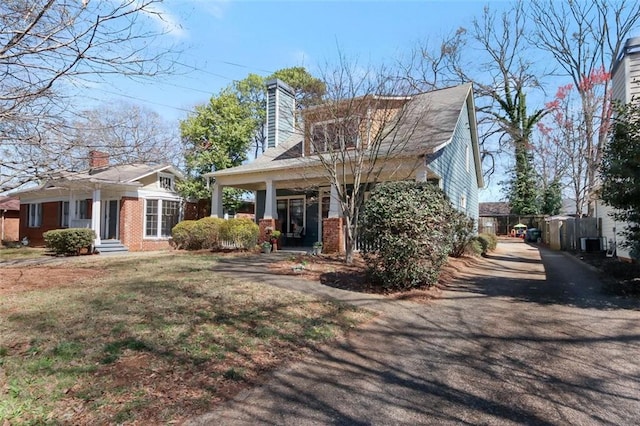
(277, 83)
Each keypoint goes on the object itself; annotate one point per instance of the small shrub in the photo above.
(483, 242)
(462, 233)
(474, 248)
(491, 239)
(208, 230)
(406, 233)
(69, 241)
(184, 235)
(242, 232)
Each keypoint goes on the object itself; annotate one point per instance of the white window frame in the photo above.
(158, 235)
(34, 215)
(463, 202)
(312, 146)
(65, 223)
(78, 207)
(170, 177)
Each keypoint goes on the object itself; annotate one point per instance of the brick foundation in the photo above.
(332, 235)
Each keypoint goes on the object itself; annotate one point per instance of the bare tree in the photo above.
(47, 48)
(129, 133)
(585, 38)
(491, 54)
(360, 134)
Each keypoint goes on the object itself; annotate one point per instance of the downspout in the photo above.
(4, 211)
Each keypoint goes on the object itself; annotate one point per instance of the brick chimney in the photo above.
(281, 112)
(98, 159)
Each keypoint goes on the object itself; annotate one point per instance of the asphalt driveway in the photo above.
(526, 339)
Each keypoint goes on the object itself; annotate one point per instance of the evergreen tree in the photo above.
(620, 172)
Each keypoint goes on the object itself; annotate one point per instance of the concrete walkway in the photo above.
(525, 339)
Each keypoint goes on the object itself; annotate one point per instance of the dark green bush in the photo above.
(462, 232)
(242, 232)
(484, 243)
(406, 231)
(69, 241)
(492, 241)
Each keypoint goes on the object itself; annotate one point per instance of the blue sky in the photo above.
(223, 41)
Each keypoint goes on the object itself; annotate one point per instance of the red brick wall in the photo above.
(264, 224)
(132, 227)
(98, 159)
(332, 235)
(10, 223)
(50, 220)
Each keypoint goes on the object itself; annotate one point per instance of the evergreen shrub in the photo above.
(407, 234)
(69, 241)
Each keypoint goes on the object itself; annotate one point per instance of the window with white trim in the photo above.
(165, 181)
(160, 218)
(335, 135)
(64, 214)
(463, 202)
(82, 209)
(35, 215)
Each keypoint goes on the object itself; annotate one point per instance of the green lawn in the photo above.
(146, 339)
(13, 253)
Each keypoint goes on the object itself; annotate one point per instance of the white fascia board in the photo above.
(158, 194)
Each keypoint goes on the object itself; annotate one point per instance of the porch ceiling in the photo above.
(309, 177)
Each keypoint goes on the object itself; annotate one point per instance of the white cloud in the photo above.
(215, 8)
(167, 21)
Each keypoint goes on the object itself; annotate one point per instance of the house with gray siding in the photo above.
(437, 131)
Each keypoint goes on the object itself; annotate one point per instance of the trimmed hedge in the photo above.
(69, 241)
(209, 232)
(242, 232)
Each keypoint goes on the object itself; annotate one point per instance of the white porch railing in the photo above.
(80, 223)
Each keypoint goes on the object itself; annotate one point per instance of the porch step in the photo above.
(111, 246)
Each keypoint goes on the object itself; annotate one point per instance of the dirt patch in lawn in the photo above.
(151, 339)
(18, 280)
(332, 271)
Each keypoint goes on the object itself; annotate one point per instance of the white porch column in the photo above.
(96, 214)
(216, 201)
(334, 202)
(421, 174)
(72, 207)
(270, 203)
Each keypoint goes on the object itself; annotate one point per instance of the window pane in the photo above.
(151, 228)
(283, 216)
(64, 214)
(296, 214)
(170, 217)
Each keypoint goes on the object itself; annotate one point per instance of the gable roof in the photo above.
(9, 203)
(427, 125)
(120, 175)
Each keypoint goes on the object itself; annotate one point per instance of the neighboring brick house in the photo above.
(625, 87)
(131, 206)
(9, 219)
(292, 191)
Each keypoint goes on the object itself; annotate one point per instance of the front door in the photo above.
(110, 215)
